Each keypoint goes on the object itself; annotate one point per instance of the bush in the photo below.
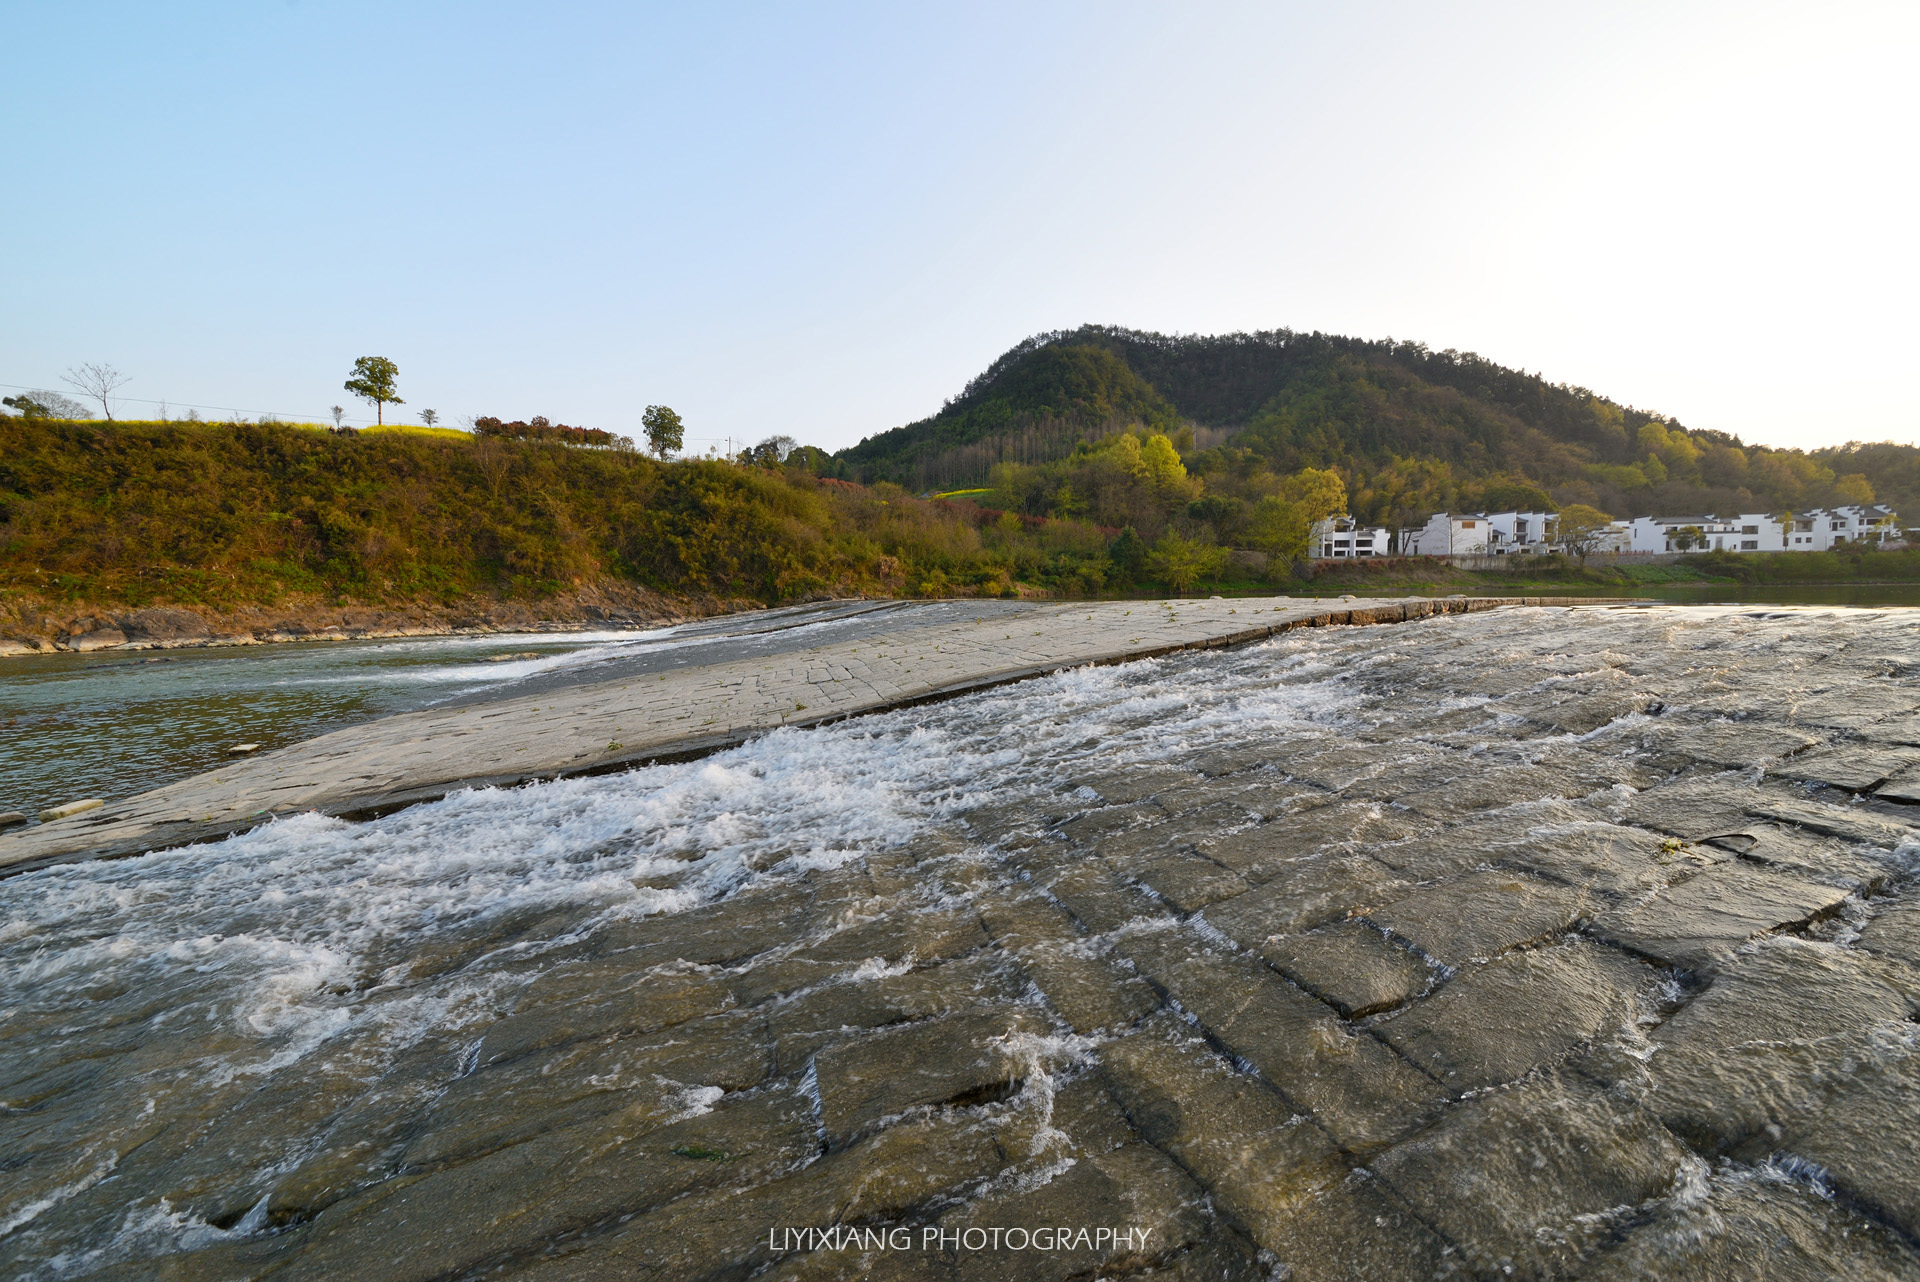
(541, 430)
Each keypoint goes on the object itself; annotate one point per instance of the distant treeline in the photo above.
(538, 429)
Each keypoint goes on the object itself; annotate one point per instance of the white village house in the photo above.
(1821, 530)
(1506, 533)
(1748, 532)
(1481, 534)
(1342, 536)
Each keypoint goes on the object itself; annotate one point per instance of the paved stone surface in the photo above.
(1219, 948)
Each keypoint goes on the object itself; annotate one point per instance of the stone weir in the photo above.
(594, 728)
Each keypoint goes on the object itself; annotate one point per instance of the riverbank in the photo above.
(32, 625)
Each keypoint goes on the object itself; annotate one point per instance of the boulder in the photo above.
(163, 624)
(97, 639)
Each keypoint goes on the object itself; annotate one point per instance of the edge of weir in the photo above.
(378, 805)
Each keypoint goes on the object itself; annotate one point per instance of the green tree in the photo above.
(1582, 528)
(1319, 491)
(1686, 536)
(665, 433)
(1128, 553)
(429, 417)
(28, 407)
(1281, 529)
(374, 378)
(1854, 488)
(1180, 563)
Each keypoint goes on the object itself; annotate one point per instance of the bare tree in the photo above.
(97, 382)
(339, 412)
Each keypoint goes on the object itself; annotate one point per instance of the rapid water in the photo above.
(142, 996)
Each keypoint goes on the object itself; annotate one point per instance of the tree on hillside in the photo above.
(1180, 563)
(1582, 528)
(26, 405)
(97, 382)
(1319, 491)
(429, 417)
(1128, 553)
(665, 433)
(339, 412)
(374, 379)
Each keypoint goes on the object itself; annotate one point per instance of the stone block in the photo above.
(1098, 898)
(1738, 745)
(1255, 853)
(1855, 767)
(1499, 1022)
(955, 1059)
(1894, 932)
(1520, 1179)
(1302, 894)
(1848, 823)
(1740, 1060)
(1696, 923)
(595, 999)
(1692, 808)
(1278, 1174)
(1189, 882)
(1349, 965)
(520, 1198)
(802, 1024)
(1481, 915)
(1902, 789)
(1357, 1089)
(488, 1109)
(1755, 1224)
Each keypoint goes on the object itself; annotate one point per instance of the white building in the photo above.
(1821, 530)
(1617, 537)
(1748, 532)
(1452, 534)
(1482, 534)
(1342, 536)
(1522, 532)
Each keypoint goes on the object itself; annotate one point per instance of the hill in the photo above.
(1409, 429)
(226, 516)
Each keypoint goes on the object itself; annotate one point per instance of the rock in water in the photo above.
(71, 808)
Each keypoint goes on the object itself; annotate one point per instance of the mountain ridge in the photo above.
(1382, 411)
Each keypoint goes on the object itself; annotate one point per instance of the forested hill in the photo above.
(1411, 430)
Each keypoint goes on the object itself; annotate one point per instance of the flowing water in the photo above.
(114, 723)
(510, 1032)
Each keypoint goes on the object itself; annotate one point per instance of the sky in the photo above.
(823, 219)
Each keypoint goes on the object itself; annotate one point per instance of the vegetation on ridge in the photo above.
(1409, 430)
(1083, 463)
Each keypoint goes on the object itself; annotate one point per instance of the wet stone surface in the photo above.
(1544, 943)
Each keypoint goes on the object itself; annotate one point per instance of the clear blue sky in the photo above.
(824, 219)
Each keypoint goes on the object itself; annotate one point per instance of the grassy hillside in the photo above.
(1409, 430)
(238, 514)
